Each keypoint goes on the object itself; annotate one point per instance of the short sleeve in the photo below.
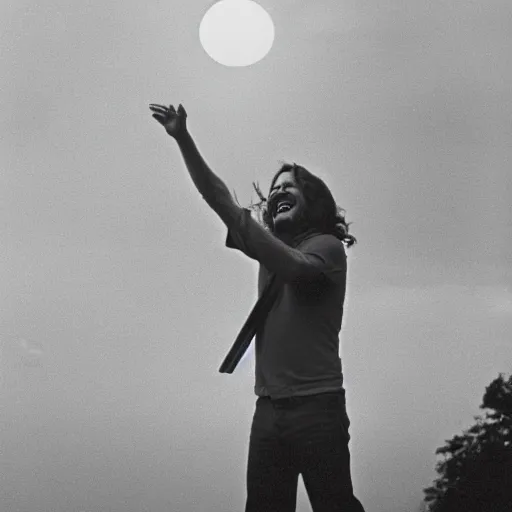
(236, 238)
(326, 254)
(318, 256)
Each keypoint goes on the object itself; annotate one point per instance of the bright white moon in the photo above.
(236, 32)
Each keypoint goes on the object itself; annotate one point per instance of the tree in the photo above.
(476, 470)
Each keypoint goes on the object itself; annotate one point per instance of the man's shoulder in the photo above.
(323, 241)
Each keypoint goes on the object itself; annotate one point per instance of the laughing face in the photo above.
(287, 204)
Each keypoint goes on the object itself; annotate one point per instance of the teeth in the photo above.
(284, 208)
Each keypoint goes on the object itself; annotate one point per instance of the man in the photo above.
(300, 424)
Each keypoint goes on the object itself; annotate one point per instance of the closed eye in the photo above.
(274, 191)
(285, 185)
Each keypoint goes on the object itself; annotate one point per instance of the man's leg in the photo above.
(324, 455)
(272, 479)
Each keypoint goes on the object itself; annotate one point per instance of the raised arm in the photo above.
(210, 186)
(288, 263)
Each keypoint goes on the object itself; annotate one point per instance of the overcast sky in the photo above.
(119, 300)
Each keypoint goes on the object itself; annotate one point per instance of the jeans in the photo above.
(305, 435)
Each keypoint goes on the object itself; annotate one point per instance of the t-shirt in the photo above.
(297, 348)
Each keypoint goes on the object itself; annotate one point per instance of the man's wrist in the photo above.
(183, 137)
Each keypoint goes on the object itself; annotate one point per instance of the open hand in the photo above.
(175, 123)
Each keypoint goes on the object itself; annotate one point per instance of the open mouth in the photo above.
(283, 207)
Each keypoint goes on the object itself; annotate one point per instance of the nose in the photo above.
(279, 190)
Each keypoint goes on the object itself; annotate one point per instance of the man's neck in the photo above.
(287, 238)
(294, 239)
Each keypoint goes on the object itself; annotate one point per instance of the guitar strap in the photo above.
(254, 321)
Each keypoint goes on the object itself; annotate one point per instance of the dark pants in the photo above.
(305, 435)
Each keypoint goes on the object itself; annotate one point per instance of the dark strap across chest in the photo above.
(254, 321)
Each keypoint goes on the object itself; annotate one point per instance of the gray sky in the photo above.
(119, 300)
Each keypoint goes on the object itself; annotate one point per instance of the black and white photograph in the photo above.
(256, 256)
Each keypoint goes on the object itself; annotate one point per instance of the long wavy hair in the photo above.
(321, 213)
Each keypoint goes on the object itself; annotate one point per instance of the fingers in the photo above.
(159, 109)
(160, 119)
(162, 113)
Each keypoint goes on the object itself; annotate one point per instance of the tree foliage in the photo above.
(475, 474)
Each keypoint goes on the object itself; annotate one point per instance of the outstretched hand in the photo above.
(175, 123)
